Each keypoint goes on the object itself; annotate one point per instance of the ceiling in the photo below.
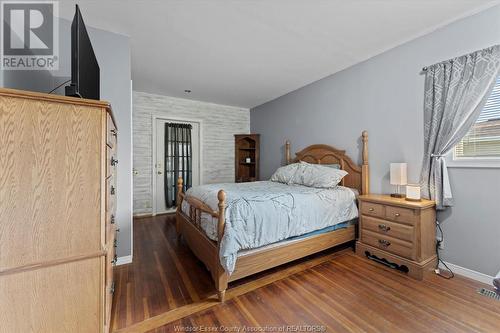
(245, 53)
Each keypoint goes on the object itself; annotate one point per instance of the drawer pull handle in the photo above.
(384, 242)
(112, 219)
(113, 190)
(112, 288)
(114, 161)
(113, 132)
(383, 227)
(371, 209)
(397, 215)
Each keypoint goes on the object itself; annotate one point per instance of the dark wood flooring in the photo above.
(339, 293)
(164, 274)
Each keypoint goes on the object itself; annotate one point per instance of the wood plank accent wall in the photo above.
(219, 124)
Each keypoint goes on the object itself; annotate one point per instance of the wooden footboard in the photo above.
(189, 226)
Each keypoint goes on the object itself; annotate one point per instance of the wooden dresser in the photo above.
(399, 233)
(57, 206)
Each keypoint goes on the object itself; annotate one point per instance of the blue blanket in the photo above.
(265, 212)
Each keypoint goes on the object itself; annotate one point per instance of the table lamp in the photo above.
(398, 178)
(413, 192)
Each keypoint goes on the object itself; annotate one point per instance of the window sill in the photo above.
(473, 164)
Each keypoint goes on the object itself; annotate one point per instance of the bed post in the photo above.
(180, 185)
(179, 203)
(287, 152)
(222, 277)
(365, 170)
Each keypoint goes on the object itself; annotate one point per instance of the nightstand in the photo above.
(398, 233)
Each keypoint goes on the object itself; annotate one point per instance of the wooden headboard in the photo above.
(358, 175)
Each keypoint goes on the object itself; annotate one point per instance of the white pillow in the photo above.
(317, 175)
(285, 173)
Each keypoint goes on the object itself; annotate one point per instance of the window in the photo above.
(481, 145)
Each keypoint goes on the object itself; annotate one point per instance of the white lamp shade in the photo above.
(398, 174)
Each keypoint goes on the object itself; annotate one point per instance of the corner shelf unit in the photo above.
(246, 158)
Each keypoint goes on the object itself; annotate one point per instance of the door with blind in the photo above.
(482, 142)
(177, 153)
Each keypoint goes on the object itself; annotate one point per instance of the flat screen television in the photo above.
(85, 79)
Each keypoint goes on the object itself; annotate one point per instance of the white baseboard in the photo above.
(124, 260)
(469, 273)
(143, 215)
(168, 211)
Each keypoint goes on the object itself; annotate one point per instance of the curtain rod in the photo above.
(425, 68)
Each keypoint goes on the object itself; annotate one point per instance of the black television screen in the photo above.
(85, 79)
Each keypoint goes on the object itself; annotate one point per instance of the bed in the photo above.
(241, 229)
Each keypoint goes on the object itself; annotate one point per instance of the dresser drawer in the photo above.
(401, 215)
(110, 209)
(111, 217)
(110, 285)
(110, 223)
(373, 209)
(386, 228)
(110, 256)
(110, 194)
(389, 244)
(110, 289)
(111, 162)
(111, 132)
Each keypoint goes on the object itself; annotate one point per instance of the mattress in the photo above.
(265, 212)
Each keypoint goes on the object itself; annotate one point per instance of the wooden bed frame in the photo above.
(256, 261)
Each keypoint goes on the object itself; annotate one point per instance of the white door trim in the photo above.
(156, 117)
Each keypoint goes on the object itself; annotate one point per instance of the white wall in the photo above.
(385, 96)
(219, 123)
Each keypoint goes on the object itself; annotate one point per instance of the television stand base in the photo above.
(71, 91)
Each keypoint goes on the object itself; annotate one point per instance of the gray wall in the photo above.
(113, 54)
(385, 96)
(218, 125)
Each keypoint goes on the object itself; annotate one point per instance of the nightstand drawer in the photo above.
(386, 228)
(372, 209)
(389, 244)
(402, 215)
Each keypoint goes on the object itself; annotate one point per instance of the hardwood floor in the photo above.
(164, 274)
(339, 292)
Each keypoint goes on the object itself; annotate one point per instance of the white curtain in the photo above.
(455, 91)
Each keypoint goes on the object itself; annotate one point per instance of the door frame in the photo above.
(156, 117)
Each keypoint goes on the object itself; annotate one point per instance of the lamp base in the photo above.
(398, 195)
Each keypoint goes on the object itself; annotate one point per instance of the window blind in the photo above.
(483, 139)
